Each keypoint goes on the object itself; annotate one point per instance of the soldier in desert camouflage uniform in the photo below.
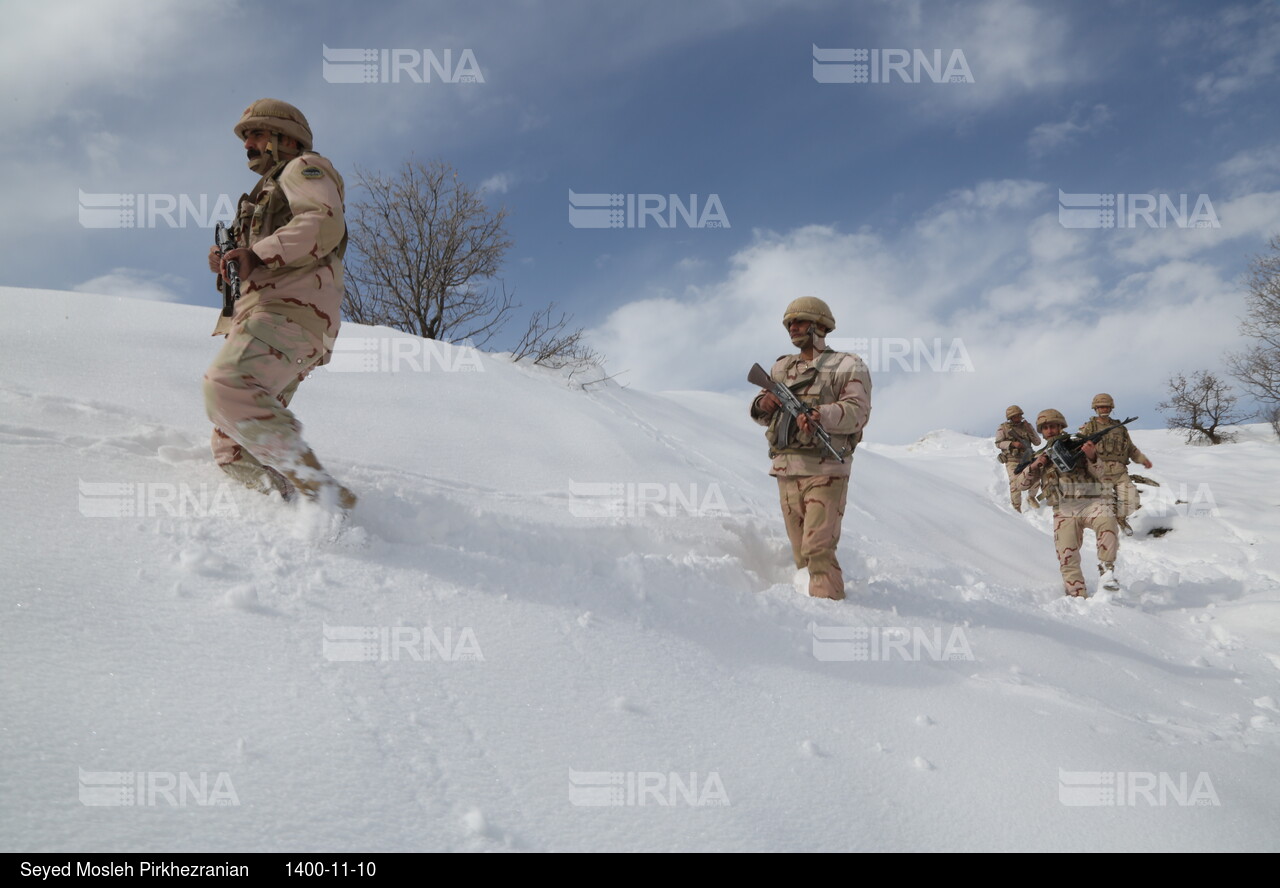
(812, 484)
(1014, 439)
(290, 236)
(1115, 451)
(1080, 500)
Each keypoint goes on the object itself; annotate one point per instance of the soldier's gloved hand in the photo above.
(768, 403)
(247, 258)
(215, 260)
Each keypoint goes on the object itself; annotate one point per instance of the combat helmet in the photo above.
(1102, 399)
(1050, 415)
(275, 116)
(1012, 411)
(809, 308)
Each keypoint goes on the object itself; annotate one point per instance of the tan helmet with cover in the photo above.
(1012, 411)
(1050, 416)
(1102, 399)
(276, 116)
(809, 308)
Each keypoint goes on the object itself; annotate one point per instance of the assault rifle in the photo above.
(231, 285)
(1064, 451)
(793, 406)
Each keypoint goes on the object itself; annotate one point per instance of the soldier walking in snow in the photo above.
(1080, 500)
(813, 484)
(289, 239)
(1115, 451)
(1014, 440)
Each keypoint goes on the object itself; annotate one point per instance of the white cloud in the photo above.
(499, 183)
(1249, 40)
(1251, 217)
(1012, 47)
(51, 52)
(1049, 136)
(1047, 315)
(136, 284)
(1251, 170)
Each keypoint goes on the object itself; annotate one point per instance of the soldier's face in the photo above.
(1051, 429)
(1103, 410)
(255, 142)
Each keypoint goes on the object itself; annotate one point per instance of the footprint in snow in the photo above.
(809, 748)
(622, 704)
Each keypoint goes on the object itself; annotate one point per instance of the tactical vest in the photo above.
(1076, 484)
(784, 434)
(264, 211)
(1013, 433)
(1114, 446)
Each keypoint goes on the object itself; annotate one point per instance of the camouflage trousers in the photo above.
(812, 509)
(1070, 519)
(1126, 497)
(1015, 491)
(247, 390)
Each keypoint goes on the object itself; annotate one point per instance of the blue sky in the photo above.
(920, 210)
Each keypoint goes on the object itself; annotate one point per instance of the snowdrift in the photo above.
(562, 620)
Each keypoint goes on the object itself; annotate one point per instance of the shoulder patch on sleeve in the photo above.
(312, 172)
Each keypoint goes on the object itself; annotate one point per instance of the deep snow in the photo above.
(605, 577)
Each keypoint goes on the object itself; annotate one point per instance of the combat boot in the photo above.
(1124, 525)
(1107, 576)
(317, 485)
(263, 479)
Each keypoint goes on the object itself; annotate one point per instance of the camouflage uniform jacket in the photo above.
(1080, 487)
(1115, 449)
(1008, 434)
(839, 385)
(293, 221)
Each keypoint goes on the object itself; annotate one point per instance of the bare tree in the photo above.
(549, 345)
(1257, 367)
(1272, 415)
(424, 256)
(1201, 406)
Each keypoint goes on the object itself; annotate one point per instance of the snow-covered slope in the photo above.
(569, 593)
